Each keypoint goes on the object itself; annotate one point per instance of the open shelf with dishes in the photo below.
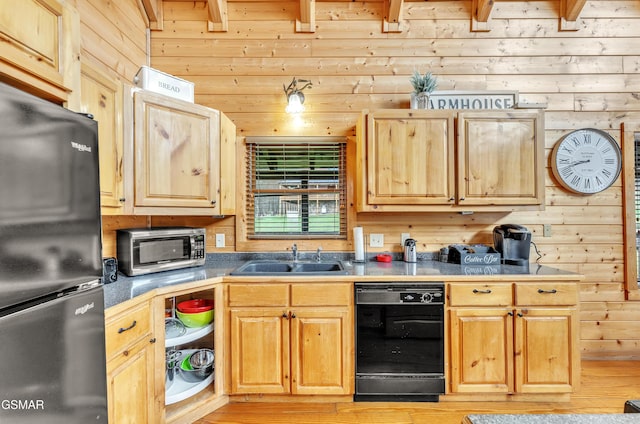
(189, 345)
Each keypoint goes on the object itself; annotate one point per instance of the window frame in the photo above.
(342, 208)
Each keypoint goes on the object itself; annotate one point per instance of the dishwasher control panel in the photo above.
(399, 293)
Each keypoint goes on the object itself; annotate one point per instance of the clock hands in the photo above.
(579, 162)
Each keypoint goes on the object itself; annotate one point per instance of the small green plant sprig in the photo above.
(423, 83)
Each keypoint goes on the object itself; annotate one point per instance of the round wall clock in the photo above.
(586, 161)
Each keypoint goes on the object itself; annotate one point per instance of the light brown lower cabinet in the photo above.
(130, 347)
(280, 346)
(517, 338)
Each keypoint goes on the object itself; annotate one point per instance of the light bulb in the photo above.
(295, 103)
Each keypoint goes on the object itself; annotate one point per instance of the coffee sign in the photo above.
(473, 99)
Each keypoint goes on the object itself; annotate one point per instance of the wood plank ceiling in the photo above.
(305, 22)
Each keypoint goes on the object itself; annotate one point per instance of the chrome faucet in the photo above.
(294, 250)
(318, 259)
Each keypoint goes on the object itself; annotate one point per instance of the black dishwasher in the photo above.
(399, 341)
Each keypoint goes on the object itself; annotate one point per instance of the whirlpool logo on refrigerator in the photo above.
(80, 147)
(83, 309)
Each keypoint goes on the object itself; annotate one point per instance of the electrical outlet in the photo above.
(546, 230)
(219, 240)
(403, 237)
(376, 240)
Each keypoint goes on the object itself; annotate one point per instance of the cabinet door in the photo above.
(130, 380)
(481, 350)
(546, 346)
(501, 158)
(322, 351)
(40, 45)
(177, 154)
(260, 351)
(410, 157)
(101, 96)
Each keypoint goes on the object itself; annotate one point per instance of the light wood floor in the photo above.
(606, 386)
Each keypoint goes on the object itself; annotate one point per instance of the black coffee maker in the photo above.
(513, 242)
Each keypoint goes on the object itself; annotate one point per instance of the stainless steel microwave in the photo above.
(146, 250)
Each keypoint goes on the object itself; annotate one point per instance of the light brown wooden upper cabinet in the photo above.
(409, 157)
(101, 96)
(176, 158)
(40, 47)
(449, 160)
(501, 158)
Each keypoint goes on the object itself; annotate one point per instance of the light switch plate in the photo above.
(376, 240)
(219, 240)
(546, 230)
(403, 237)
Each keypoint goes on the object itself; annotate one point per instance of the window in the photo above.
(296, 187)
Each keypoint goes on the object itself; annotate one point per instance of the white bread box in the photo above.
(162, 83)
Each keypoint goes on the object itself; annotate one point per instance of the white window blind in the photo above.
(296, 187)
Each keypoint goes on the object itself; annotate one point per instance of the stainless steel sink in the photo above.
(275, 267)
(255, 267)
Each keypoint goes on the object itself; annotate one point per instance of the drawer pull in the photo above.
(482, 291)
(122, 330)
(552, 291)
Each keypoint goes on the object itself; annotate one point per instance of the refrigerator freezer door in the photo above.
(50, 236)
(52, 362)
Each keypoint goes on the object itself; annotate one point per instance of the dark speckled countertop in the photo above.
(553, 419)
(221, 264)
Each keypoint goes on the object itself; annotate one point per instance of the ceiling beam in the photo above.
(573, 9)
(307, 21)
(392, 16)
(152, 13)
(480, 14)
(218, 17)
(569, 13)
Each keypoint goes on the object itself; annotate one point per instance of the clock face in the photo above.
(586, 161)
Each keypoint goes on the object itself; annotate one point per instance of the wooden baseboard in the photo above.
(489, 397)
(289, 398)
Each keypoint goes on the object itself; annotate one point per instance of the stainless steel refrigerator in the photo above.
(52, 352)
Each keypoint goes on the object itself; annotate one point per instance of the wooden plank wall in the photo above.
(588, 78)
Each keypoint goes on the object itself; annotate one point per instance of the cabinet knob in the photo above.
(122, 199)
(125, 353)
(213, 202)
(284, 315)
(153, 340)
(462, 199)
(510, 314)
(451, 199)
(293, 315)
(520, 314)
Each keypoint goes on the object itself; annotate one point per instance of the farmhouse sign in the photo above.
(473, 100)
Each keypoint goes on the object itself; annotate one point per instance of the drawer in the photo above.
(126, 329)
(339, 294)
(546, 294)
(480, 294)
(258, 294)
